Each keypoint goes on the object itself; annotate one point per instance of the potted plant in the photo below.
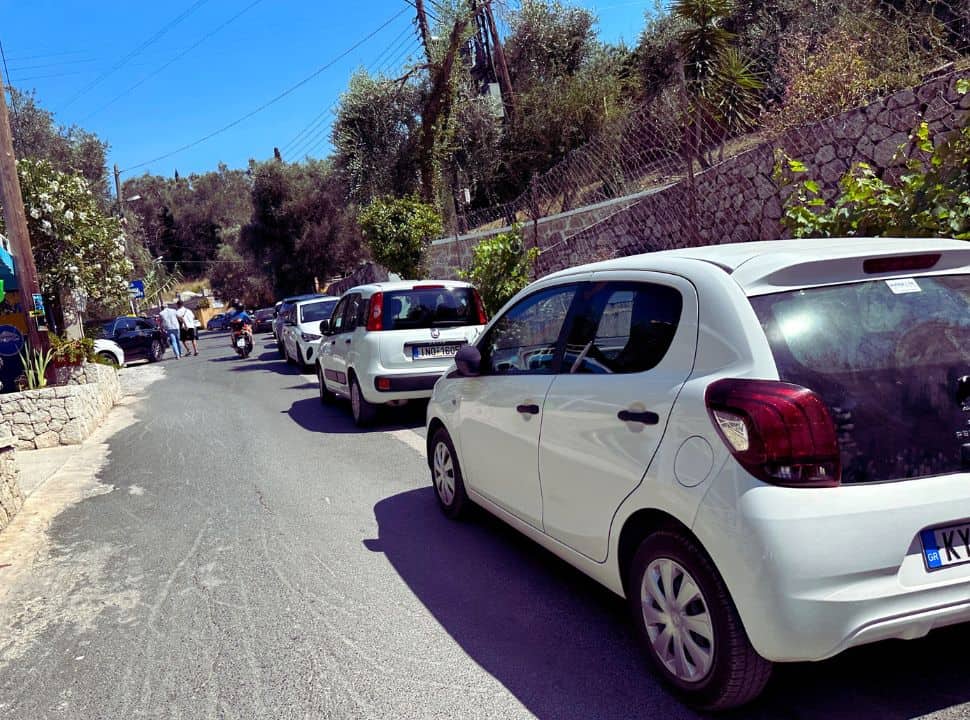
(69, 354)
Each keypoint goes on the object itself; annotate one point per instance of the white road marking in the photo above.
(410, 438)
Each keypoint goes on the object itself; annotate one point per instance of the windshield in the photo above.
(314, 312)
(887, 357)
(430, 307)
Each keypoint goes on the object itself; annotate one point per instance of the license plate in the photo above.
(423, 352)
(241, 343)
(946, 546)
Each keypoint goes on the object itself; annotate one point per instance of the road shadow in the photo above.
(335, 418)
(564, 646)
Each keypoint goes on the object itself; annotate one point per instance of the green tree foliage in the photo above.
(930, 197)
(70, 150)
(501, 266)
(301, 228)
(233, 278)
(398, 231)
(375, 137)
(76, 245)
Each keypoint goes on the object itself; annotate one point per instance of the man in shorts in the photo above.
(187, 322)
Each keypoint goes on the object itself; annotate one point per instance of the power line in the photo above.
(6, 70)
(52, 75)
(137, 51)
(315, 122)
(274, 100)
(18, 58)
(178, 57)
(18, 68)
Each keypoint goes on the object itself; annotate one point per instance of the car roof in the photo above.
(316, 298)
(395, 285)
(305, 296)
(773, 265)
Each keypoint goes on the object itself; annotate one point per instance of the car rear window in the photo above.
(887, 357)
(317, 311)
(431, 307)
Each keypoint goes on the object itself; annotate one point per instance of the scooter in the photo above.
(242, 337)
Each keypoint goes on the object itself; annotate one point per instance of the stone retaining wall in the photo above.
(61, 415)
(11, 498)
(737, 199)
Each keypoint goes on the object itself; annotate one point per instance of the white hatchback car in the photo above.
(301, 329)
(388, 343)
(765, 447)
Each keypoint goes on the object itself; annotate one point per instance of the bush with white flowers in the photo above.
(76, 246)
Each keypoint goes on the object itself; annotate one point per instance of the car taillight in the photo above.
(482, 315)
(779, 432)
(900, 263)
(375, 313)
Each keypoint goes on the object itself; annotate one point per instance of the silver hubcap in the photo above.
(444, 473)
(678, 622)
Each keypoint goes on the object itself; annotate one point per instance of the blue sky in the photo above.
(150, 78)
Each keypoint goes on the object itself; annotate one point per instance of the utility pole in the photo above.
(16, 220)
(423, 27)
(504, 79)
(118, 189)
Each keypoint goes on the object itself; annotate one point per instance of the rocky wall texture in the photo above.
(11, 498)
(737, 200)
(61, 415)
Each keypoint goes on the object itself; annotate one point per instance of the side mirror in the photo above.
(325, 327)
(468, 360)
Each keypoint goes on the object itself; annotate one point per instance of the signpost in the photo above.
(136, 291)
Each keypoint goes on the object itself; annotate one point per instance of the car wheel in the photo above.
(281, 348)
(326, 397)
(446, 476)
(109, 358)
(364, 412)
(689, 626)
(156, 351)
(301, 363)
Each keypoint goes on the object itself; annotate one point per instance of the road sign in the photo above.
(136, 289)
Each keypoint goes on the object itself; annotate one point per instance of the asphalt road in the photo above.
(249, 554)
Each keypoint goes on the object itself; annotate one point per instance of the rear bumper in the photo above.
(814, 572)
(423, 382)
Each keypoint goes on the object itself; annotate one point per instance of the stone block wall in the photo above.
(11, 498)
(737, 199)
(61, 415)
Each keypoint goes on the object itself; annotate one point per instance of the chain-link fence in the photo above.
(709, 125)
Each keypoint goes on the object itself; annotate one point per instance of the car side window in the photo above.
(144, 325)
(337, 325)
(524, 340)
(352, 313)
(124, 325)
(622, 327)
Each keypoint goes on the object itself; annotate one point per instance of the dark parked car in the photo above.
(139, 337)
(218, 322)
(263, 320)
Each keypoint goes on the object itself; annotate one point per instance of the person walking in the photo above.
(170, 324)
(187, 321)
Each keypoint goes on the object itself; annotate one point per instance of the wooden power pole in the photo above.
(16, 220)
(501, 67)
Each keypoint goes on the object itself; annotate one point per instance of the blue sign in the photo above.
(136, 289)
(11, 340)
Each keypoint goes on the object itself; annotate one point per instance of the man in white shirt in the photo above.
(187, 320)
(170, 325)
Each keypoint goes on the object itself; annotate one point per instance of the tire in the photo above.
(446, 477)
(155, 351)
(364, 413)
(717, 668)
(300, 362)
(109, 358)
(286, 356)
(326, 397)
(280, 348)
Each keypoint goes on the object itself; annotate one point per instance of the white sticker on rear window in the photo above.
(903, 285)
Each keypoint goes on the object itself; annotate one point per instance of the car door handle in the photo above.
(347, 341)
(643, 416)
(527, 409)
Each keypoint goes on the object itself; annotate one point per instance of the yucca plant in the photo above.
(35, 364)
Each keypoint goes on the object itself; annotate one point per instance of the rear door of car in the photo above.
(629, 349)
(126, 334)
(427, 326)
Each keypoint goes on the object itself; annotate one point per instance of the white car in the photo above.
(109, 350)
(388, 343)
(301, 329)
(765, 447)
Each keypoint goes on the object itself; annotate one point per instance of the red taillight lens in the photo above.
(428, 287)
(480, 306)
(779, 432)
(375, 313)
